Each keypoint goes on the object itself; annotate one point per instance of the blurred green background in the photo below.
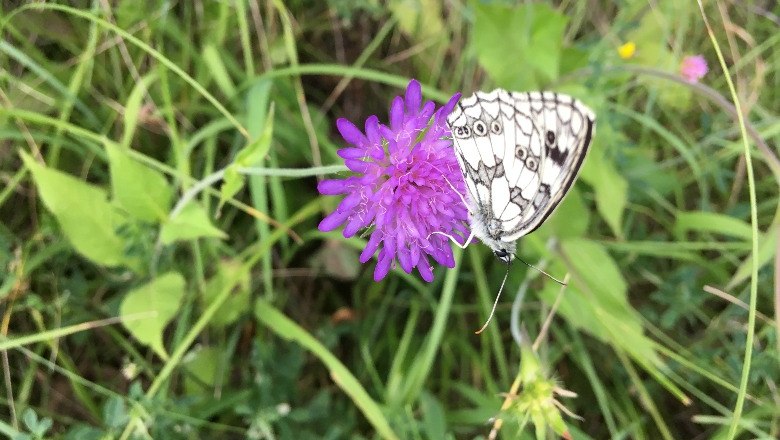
(162, 275)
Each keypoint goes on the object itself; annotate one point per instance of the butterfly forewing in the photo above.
(519, 154)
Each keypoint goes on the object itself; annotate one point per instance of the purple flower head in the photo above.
(403, 181)
(693, 68)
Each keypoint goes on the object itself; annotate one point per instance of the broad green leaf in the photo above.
(161, 296)
(87, 219)
(218, 70)
(228, 274)
(133, 109)
(143, 192)
(611, 191)
(714, 222)
(532, 33)
(115, 413)
(596, 299)
(191, 223)
(203, 367)
(570, 219)
(420, 19)
(434, 422)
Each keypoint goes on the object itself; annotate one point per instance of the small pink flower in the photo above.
(693, 68)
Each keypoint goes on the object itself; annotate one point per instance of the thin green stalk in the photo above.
(493, 332)
(48, 335)
(735, 421)
(354, 72)
(86, 63)
(644, 396)
(246, 45)
(424, 363)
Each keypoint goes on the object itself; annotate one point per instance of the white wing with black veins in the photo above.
(519, 154)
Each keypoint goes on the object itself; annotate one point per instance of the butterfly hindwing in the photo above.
(565, 126)
(519, 154)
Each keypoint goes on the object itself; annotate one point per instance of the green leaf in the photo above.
(191, 223)
(218, 71)
(420, 19)
(256, 150)
(434, 422)
(115, 412)
(87, 220)
(161, 296)
(713, 222)
(570, 219)
(767, 248)
(30, 419)
(532, 33)
(203, 368)
(229, 274)
(596, 299)
(133, 109)
(232, 182)
(610, 188)
(143, 192)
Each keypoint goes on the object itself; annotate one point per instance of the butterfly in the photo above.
(520, 153)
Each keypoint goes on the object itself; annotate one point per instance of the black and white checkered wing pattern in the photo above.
(519, 154)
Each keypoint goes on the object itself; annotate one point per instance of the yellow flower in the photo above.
(627, 50)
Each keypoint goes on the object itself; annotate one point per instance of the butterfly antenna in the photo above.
(562, 283)
(495, 303)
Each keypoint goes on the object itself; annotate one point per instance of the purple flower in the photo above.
(402, 186)
(693, 68)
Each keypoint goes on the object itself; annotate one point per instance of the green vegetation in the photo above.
(162, 275)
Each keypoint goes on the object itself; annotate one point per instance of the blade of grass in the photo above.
(140, 44)
(85, 65)
(740, 403)
(48, 335)
(422, 365)
(399, 81)
(494, 330)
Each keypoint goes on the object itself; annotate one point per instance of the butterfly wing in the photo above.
(563, 129)
(519, 154)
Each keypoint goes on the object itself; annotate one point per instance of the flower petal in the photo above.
(371, 246)
(397, 114)
(382, 266)
(441, 115)
(425, 269)
(334, 186)
(413, 97)
(353, 226)
(350, 133)
(350, 202)
(333, 220)
(405, 259)
(357, 166)
(427, 111)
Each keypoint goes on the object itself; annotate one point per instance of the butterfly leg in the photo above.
(462, 246)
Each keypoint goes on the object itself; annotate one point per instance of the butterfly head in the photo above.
(504, 255)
